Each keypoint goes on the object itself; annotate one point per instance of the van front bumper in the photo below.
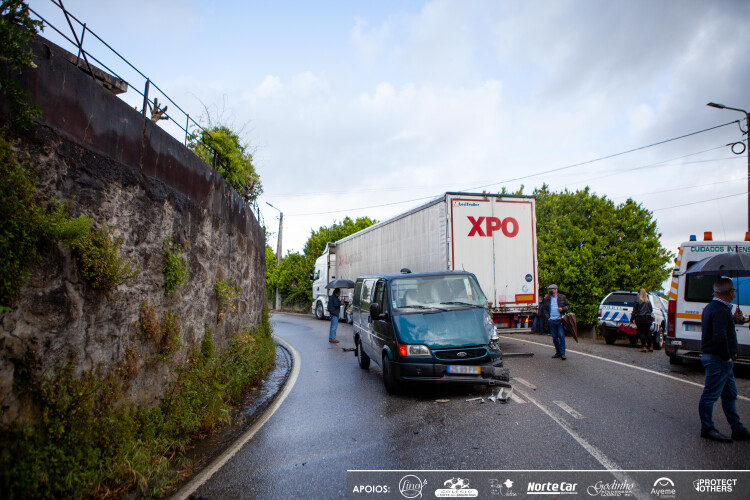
(691, 349)
(491, 374)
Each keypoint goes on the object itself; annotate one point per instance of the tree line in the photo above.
(586, 244)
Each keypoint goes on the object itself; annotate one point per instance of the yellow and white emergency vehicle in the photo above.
(691, 293)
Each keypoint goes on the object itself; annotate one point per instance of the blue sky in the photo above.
(354, 104)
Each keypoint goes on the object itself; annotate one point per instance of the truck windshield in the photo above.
(436, 292)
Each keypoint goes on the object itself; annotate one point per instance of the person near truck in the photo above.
(642, 317)
(334, 307)
(554, 306)
(719, 346)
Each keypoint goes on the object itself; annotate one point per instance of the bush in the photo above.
(85, 444)
(100, 263)
(176, 266)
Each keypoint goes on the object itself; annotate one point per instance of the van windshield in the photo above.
(436, 292)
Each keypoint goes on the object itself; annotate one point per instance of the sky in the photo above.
(370, 108)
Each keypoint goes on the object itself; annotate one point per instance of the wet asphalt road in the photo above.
(582, 413)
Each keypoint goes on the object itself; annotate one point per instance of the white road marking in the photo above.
(525, 382)
(516, 399)
(568, 409)
(222, 459)
(595, 452)
(744, 398)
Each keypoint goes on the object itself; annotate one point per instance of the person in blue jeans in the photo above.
(334, 308)
(719, 346)
(554, 306)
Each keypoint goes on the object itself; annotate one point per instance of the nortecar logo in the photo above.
(550, 488)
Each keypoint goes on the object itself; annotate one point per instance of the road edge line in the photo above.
(666, 375)
(246, 436)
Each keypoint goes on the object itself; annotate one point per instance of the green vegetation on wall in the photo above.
(176, 267)
(16, 31)
(85, 444)
(226, 292)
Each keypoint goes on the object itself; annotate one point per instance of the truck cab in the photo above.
(323, 273)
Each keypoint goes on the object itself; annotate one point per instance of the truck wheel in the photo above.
(362, 358)
(609, 336)
(391, 385)
(659, 338)
(319, 310)
(674, 360)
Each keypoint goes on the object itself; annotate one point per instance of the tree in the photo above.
(270, 273)
(292, 278)
(16, 31)
(233, 161)
(589, 246)
(317, 241)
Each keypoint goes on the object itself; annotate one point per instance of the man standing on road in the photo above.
(719, 346)
(554, 306)
(334, 307)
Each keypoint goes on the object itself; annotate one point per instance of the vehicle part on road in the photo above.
(475, 399)
(442, 400)
(348, 349)
(518, 355)
(505, 394)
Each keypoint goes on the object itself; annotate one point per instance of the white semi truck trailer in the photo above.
(490, 235)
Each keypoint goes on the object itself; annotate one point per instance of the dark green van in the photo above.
(426, 327)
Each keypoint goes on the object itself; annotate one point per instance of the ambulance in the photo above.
(691, 293)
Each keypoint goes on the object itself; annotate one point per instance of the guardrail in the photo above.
(158, 112)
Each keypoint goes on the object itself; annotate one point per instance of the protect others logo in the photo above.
(664, 488)
(714, 485)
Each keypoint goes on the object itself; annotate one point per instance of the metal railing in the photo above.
(158, 113)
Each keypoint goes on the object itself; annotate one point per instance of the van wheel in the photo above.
(674, 360)
(319, 310)
(391, 385)
(362, 358)
(609, 336)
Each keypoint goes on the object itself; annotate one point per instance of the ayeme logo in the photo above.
(509, 226)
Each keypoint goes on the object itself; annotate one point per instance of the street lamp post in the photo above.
(278, 254)
(747, 149)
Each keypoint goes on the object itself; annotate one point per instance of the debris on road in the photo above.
(442, 400)
(348, 349)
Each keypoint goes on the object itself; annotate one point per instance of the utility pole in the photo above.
(746, 146)
(278, 253)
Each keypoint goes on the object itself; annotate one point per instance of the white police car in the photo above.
(615, 310)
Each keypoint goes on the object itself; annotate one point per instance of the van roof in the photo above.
(415, 275)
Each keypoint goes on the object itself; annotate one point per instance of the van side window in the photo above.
(380, 295)
(366, 297)
(699, 288)
(357, 292)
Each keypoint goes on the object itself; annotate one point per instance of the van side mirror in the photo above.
(375, 310)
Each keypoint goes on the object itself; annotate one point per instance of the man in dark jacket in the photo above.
(719, 346)
(553, 307)
(334, 307)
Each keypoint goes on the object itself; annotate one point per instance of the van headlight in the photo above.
(494, 338)
(414, 350)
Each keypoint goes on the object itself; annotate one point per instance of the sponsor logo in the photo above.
(371, 488)
(465, 204)
(503, 489)
(509, 226)
(550, 488)
(456, 487)
(664, 488)
(613, 489)
(714, 485)
(411, 486)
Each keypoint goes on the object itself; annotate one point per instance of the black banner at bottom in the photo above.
(542, 485)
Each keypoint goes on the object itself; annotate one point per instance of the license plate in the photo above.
(463, 370)
(676, 342)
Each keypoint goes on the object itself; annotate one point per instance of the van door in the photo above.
(382, 334)
(356, 307)
(365, 299)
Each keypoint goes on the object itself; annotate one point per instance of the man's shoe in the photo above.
(557, 355)
(741, 435)
(334, 341)
(715, 435)
(563, 357)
